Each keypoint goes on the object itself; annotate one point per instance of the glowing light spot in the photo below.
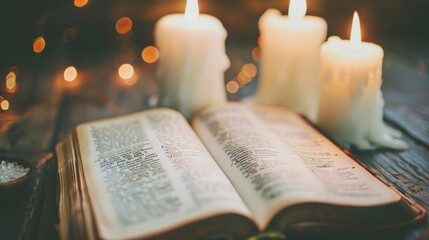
(232, 87)
(260, 41)
(249, 70)
(123, 25)
(69, 35)
(150, 54)
(4, 105)
(297, 9)
(355, 36)
(247, 73)
(242, 79)
(256, 54)
(39, 44)
(80, 3)
(70, 74)
(11, 82)
(192, 11)
(126, 71)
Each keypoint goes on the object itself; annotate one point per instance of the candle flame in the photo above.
(355, 36)
(297, 9)
(191, 11)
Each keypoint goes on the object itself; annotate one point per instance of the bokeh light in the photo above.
(126, 71)
(80, 3)
(11, 82)
(150, 54)
(256, 54)
(123, 25)
(70, 74)
(4, 105)
(247, 73)
(39, 44)
(232, 87)
(249, 70)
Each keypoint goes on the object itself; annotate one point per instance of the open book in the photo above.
(238, 171)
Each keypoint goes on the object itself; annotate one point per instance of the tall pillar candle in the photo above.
(192, 60)
(289, 61)
(351, 103)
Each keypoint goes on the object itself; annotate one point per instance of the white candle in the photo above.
(289, 62)
(192, 60)
(351, 103)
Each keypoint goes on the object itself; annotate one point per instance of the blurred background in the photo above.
(41, 39)
(64, 62)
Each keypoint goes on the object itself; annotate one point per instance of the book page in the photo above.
(148, 173)
(275, 159)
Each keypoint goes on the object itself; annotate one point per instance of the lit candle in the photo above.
(289, 62)
(351, 103)
(192, 60)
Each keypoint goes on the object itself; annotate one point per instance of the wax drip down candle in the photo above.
(289, 58)
(192, 60)
(351, 102)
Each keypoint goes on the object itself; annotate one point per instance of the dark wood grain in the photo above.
(407, 100)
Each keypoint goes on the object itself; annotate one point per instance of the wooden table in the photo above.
(44, 111)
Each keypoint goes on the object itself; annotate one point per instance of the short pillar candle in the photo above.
(351, 102)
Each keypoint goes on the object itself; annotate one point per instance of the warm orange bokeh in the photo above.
(80, 3)
(11, 82)
(4, 105)
(256, 53)
(150, 54)
(123, 25)
(249, 70)
(232, 87)
(39, 44)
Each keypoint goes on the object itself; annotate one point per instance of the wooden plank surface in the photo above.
(41, 124)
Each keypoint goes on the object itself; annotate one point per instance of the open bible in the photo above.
(240, 170)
